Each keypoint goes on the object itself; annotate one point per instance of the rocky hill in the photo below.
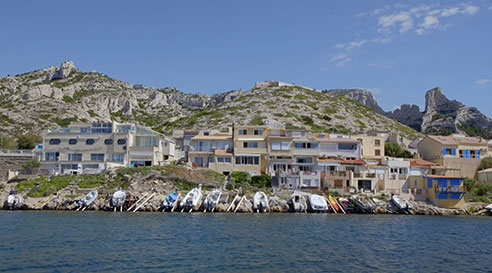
(53, 97)
(440, 116)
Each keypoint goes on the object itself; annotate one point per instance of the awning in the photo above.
(247, 155)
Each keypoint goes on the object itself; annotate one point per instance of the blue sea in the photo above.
(61, 241)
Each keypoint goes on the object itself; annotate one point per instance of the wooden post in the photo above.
(145, 201)
(238, 204)
(115, 209)
(339, 205)
(232, 203)
(134, 204)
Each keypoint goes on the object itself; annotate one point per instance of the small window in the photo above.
(243, 132)
(89, 141)
(121, 141)
(72, 141)
(108, 141)
(55, 141)
(377, 152)
(258, 132)
(377, 142)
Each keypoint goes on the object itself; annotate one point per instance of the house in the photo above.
(454, 152)
(213, 152)
(445, 191)
(250, 148)
(183, 139)
(338, 146)
(372, 148)
(94, 147)
(397, 171)
(485, 176)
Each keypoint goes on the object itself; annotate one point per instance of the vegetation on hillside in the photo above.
(394, 150)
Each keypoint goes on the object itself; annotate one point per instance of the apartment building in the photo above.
(454, 152)
(94, 147)
(372, 148)
(214, 152)
(250, 149)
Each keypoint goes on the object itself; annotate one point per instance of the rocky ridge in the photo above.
(55, 96)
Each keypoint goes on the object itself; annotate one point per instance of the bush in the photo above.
(469, 183)
(28, 141)
(239, 179)
(33, 164)
(394, 150)
(8, 143)
(484, 189)
(260, 181)
(485, 164)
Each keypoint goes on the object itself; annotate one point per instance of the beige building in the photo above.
(213, 152)
(454, 152)
(372, 148)
(250, 149)
(94, 147)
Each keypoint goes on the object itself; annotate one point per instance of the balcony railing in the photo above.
(450, 189)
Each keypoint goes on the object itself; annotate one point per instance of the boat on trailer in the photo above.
(14, 200)
(333, 203)
(212, 200)
(346, 204)
(364, 204)
(401, 203)
(192, 198)
(170, 201)
(260, 202)
(119, 198)
(88, 199)
(317, 203)
(489, 208)
(297, 203)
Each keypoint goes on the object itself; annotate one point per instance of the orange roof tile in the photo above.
(417, 162)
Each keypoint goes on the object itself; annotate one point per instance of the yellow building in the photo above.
(250, 149)
(372, 148)
(213, 152)
(454, 152)
(445, 191)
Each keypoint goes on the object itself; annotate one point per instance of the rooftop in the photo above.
(456, 140)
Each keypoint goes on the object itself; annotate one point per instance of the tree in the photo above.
(485, 164)
(28, 141)
(394, 150)
(239, 179)
(33, 164)
(8, 143)
(260, 181)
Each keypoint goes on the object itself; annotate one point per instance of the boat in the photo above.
(364, 204)
(333, 203)
(489, 208)
(170, 201)
(346, 204)
(88, 199)
(297, 203)
(401, 203)
(192, 198)
(212, 200)
(14, 200)
(317, 203)
(260, 201)
(119, 198)
(379, 202)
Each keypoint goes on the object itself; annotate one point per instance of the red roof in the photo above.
(416, 162)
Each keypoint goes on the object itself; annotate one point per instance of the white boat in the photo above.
(364, 204)
(212, 200)
(317, 203)
(401, 203)
(297, 202)
(119, 198)
(260, 201)
(379, 202)
(88, 199)
(489, 208)
(14, 200)
(192, 198)
(170, 201)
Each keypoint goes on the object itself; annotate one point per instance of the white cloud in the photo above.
(449, 11)
(381, 40)
(403, 19)
(430, 22)
(340, 58)
(351, 45)
(483, 81)
(470, 9)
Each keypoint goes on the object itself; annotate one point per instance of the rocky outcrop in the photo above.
(65, 69)
(361, 96)
(409, 115)
(226, 97)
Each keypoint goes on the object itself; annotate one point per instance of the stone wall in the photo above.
(13, 163)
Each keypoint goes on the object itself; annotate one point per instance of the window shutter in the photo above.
(443, 151)
(454, 151)
(478, 153)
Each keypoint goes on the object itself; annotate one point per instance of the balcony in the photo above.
(450, 189)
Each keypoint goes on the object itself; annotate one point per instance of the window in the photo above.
(203, 146)
(97, 157)
(247, 160)
(223, 145)
(347, 146)
(89, 141)
(224, 159)
(51, 156)
(285, 146)
(250, 144)
(377, 152)
(121, 141)
(210, 159)
(258, 132)
(304, 160)
(276, 146)
(243, 132)
(72, 141)
(108, 141)
(90, 166)
(74, 157)
(377, 142)
(118, 157)
(55, 141)
(306, 145)
(83, 130)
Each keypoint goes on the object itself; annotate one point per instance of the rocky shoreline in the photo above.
(277, 202)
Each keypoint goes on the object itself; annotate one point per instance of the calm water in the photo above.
(98, 241)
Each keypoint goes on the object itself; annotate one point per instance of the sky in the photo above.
(397, 50)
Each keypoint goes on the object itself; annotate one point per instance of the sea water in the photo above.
(61, 241)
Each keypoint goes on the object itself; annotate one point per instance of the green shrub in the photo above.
(68, 99)
(239, 179)
(32, 164)
(483, 189)
(258, 120)
(395, 150)
(260, 181)
(28, 141)
(469, 183)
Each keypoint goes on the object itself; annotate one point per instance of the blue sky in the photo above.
(398, 50)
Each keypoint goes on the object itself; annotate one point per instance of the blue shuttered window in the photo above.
(443, 151)
(454, 151)
(478, 153)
